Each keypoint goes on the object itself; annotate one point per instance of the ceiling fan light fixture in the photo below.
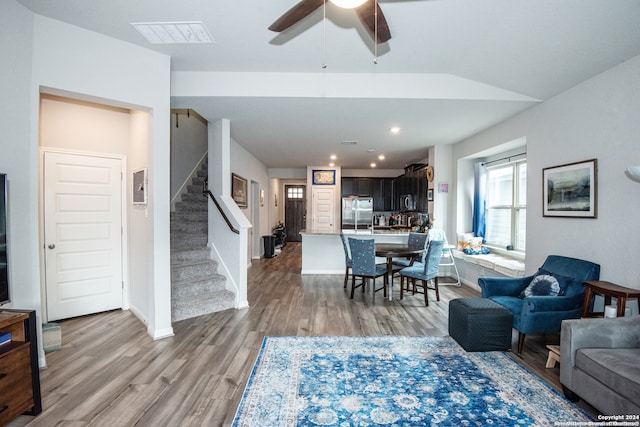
(633, 173)
(348, 4)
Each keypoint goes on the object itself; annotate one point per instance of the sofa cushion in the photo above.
(616, 368)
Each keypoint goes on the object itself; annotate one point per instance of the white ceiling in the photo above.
(452, 68)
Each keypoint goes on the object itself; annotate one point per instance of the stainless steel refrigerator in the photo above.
(357, 212)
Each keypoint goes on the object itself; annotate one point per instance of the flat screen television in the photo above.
(4, 265)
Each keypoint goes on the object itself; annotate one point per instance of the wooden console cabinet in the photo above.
(19, 372)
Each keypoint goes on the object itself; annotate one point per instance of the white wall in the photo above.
(19, 156)
(83, 126)
(188, 146)
(139, 228)
(247, 166)
(596, 119)
(48, 56)
(372, 173)
(74, 62)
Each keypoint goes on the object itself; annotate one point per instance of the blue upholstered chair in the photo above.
(347, 259)
(542, 314)
(416, 241)
(424, 271)
(363, 264)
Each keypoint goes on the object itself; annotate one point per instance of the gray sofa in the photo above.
(600, 363)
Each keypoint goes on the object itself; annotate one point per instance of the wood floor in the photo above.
(110, 373)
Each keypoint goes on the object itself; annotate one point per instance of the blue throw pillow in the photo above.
(563, 281)
(482, 251)
(542, 285)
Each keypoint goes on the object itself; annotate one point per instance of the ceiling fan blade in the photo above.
(368, 18)
(295, 14)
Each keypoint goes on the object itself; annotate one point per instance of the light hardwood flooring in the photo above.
(110, 373)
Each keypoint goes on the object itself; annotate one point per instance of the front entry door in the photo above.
(294, 211)
(82, 234)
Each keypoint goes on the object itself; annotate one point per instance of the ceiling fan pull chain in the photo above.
(375, 32)
(324, 34)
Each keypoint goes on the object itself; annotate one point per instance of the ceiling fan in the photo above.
(367, 11)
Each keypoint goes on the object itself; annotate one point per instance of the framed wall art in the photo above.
(324, 177)
(239, 190)
(571, 190)
(139, 190)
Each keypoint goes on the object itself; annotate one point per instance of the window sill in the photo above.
(517, 255)
(499, 263)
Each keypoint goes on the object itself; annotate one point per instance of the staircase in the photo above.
(196, 286)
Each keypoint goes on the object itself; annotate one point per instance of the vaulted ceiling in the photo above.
(451, 69)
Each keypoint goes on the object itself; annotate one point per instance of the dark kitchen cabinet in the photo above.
(414, 182)
(382, 190)
(387, 192)
(401, 186)
(364, 187)
(347, 187)
(421, 185)
(361, 187)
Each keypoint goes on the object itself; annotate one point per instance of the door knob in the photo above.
(51, 246)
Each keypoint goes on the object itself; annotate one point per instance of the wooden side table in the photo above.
(609, 290)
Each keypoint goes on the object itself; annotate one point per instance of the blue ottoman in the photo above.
(480, 324)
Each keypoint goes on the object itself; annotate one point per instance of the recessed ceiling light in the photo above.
(381, 157)
(333, 157)
(373, 165)
(395, 129)
(332, 164)
(173, 32)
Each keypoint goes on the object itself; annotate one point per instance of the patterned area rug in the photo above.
(394, 381)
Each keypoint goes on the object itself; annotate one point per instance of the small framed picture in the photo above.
(239, 190)
(139, 193)
(570, 190)
(430, 195)
(324, 177)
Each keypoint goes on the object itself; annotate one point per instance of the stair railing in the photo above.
(206, 191)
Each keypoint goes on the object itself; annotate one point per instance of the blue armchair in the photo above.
(542, 314)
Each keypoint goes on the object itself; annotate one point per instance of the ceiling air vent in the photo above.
(174, 32)
(349, 142)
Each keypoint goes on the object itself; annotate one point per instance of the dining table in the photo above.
(391, 251)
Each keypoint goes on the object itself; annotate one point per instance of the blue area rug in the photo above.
(394, 381)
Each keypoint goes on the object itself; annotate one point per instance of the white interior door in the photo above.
(323, 209)
(82, 234)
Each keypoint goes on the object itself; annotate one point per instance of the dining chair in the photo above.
(448, 260)
(347, 259)
(363, 264)
(424, 271)
(416, 241)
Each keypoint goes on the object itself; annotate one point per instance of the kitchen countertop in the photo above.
(323, 253)
(394, 231)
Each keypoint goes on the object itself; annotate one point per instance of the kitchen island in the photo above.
(322, 252)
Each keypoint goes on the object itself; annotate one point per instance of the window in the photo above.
(295, 192)
(507, 205)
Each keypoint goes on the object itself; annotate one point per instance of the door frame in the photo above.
(123, 216)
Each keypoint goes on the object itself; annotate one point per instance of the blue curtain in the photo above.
(479, 199)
